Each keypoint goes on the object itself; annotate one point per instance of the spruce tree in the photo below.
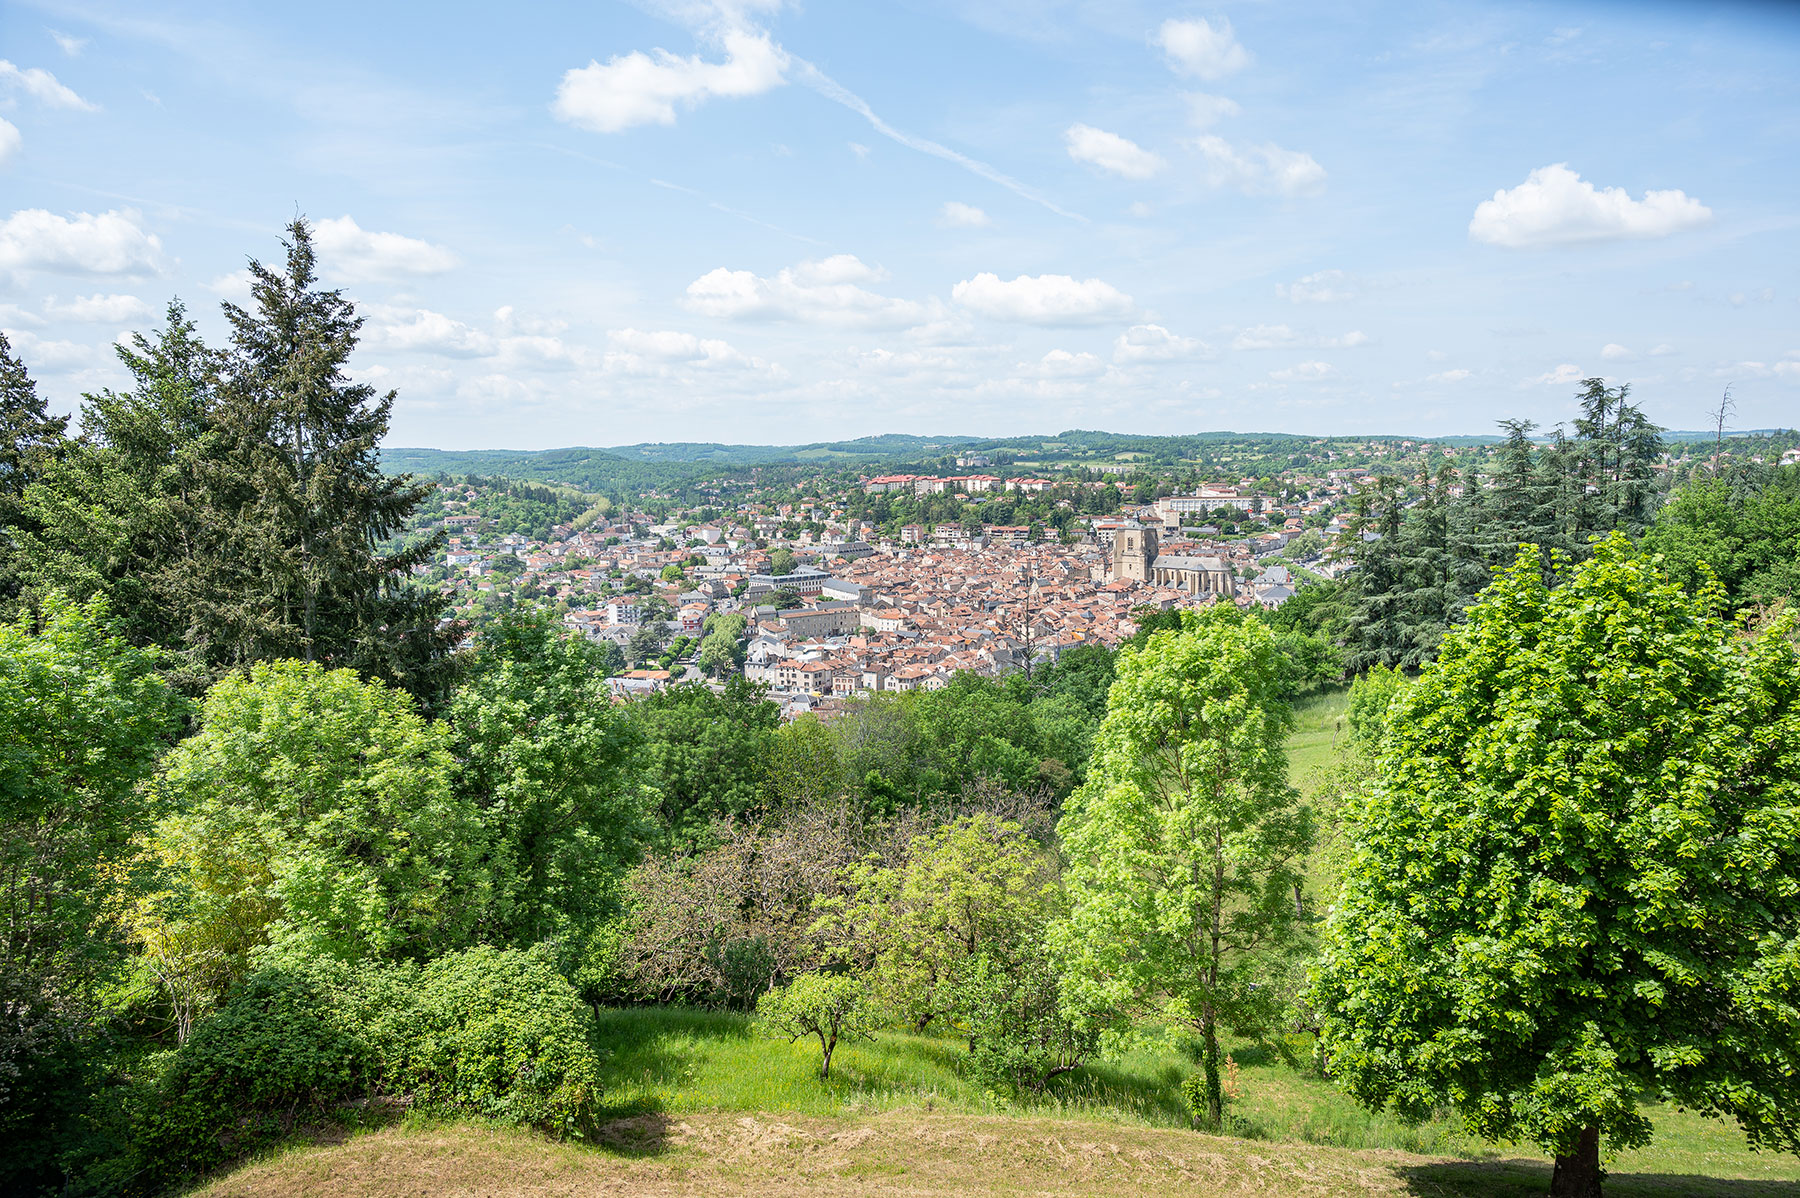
(314, 507)
(29, 438)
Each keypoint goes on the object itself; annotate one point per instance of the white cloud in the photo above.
(1449, 376)
(1350, 340)
(1663, 350)
(635, 346)
(43, 87)
(957, 215)
(1153, 343)
(827, 291)
(10, 141)
(1304, 372)
(1555, 206)
(1061, 364)
(1265, 336)
(1043, 299)
(70, 45)
(1140, 210)
(860, 150)
(357, 255)
(234, 286)
(1112, 153)
(422, 330)
(1206, 111)
(510, 320)
(1198, 47)
(12, 316)
(1320, 287)
(1566, 373)
(636, 89)
(112, 243)
(100, 309)
(1614, 352)
(39, 354)
(1258, 170)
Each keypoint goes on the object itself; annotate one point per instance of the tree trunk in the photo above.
(1578, 1173)
(1209, 1063)
(825, 1062)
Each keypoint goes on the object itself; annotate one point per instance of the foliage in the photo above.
(802, 767)
(1184, 844)
(831, 1007)
(492, 1032)
(1743, 531)
(1371, 697)
(707, 752)
(1577, 878)
(83, 717)
(30, 440)
(332, 800)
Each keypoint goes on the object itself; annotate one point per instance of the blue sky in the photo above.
(755, 221)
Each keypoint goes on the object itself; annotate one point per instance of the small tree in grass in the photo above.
(1576, 882)
(832, 1007)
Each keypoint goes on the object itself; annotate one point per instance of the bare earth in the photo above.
(898, 1153)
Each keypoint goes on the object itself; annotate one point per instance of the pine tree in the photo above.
(314, 507)
(29, 438)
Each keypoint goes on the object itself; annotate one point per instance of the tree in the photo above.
(802, 768)
(314, 503)
(547, 762)
(781, 561)
(331, 799)
(1576, 878)
(1184, 844)
(29, 439)
(83, 717)
(706, 751)
(831, 1007)
(1744, 533)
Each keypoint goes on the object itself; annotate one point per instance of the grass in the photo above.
(1319, 726)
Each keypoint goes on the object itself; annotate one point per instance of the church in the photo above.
(1136, 558)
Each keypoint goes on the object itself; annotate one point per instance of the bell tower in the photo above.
(1134, 552)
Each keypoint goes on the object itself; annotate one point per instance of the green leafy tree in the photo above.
(83, 718)
(802, 766)
(829, 1007)
(1745, 532)
(548, 762)
(314, 504)
(781, 561)
(707, 752)
(333, 799)
(1576, 880)
(1185, 843)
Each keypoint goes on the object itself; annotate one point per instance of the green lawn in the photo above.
(1319, 726)
(660, 1060)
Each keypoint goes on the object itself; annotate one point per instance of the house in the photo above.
(635, 684)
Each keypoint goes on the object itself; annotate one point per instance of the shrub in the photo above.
(275, 1053)
(493, 1032)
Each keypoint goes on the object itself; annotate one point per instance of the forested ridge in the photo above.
(274, 854)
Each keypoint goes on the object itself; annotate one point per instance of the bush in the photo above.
(274, 1054)
(492, 1032)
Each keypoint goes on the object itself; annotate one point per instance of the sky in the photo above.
(766, 222)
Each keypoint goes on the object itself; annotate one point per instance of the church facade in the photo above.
(1137, 558)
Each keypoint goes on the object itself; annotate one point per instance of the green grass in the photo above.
(1319, 727)
(663, 1060)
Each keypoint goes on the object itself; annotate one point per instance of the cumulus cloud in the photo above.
(1614, 352)
(68, 43)
(634, 347)
(99, 309)
(358, 255)
(1042, 299)
(43, 87)
(10, 140)
(957, 215)
(1556, 206)
(1198, 47)
(1206, 111)
(1265, 336)
(1320, 287)
(1304, 372)
(1566, 373)
(1061, 364)
(422, 330)
(1258, 170)
(112, 243)
(828, 291)
(1110, 152)
(1449, 376)
(234, 286)
(40, 354)
(638, 89)
(1350, 340)
(1153, 343)
(1663, 350)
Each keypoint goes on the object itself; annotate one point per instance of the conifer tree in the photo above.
(314, 507)
(29, 438)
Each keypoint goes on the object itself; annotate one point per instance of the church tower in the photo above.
(1134, 552)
